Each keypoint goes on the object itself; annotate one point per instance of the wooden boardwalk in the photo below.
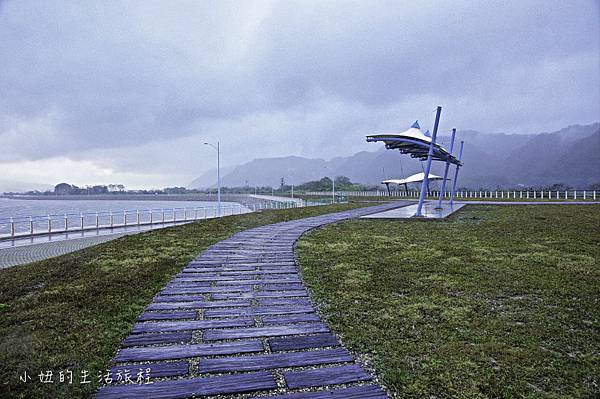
(237, 323)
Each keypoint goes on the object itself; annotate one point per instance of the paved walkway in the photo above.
(238, 320)
(298, 201)
(30, 253)
(24, 250)
(429, 211)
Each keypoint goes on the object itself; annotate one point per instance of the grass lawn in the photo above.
(495, 302)
(71, 312)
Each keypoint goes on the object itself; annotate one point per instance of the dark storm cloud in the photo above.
(96, 79)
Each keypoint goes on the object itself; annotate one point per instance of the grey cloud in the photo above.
(384, 52)
(278, 78)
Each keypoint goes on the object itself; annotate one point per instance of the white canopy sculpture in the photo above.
(416, 143)
(416, 178)
(424, 147)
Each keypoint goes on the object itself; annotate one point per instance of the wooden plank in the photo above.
(175, 305)
(274, 360)
(270, 331)
(258, 311)
(149, 354)
(305, 342)
(177, 389)
(260, 294)
(280, 270)
(325, 376)
(191, 268)
(361, 392)
(287, 265)
(187, 314)
(233, 295)
(201, 278)
(256, 282)
(205, 290)
(283, 293)
(197, 304)
(175, 283)
(153, 339)
(168, 326)
(178, 298)
(199, 273)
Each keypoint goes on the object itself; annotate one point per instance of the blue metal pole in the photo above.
(219, 177)
(443, 190)
(456, 174)
(428, 166)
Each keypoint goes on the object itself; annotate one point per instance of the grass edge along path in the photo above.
(505, 303)
(69, 313)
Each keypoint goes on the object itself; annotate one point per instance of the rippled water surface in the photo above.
(21, 210)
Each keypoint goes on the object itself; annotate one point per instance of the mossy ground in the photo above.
(495, 302)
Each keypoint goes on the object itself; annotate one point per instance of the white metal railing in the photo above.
(25, 226)
(591, 195)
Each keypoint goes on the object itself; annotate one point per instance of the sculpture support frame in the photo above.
(428, 165)
(443, 189)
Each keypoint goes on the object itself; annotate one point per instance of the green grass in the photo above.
(496, 302)
(71, 312)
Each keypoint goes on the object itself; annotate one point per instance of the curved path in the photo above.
(237, 322)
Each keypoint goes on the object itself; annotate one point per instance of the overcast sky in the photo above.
(127, 92)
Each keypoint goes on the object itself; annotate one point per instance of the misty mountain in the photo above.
(570, 155)
(17, 186)
(209, 178)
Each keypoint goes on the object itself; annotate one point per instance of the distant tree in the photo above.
(342, 181)
(99, 189)
(175, 190)
(560, 187)
(324, 184)
(63, 189)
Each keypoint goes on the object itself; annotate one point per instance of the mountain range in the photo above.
(570, 156)
(18, 186)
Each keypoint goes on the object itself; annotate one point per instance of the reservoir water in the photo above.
(39, 209)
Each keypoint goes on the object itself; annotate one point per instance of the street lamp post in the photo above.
(332, 184)
(217, 147)
(333, 189)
